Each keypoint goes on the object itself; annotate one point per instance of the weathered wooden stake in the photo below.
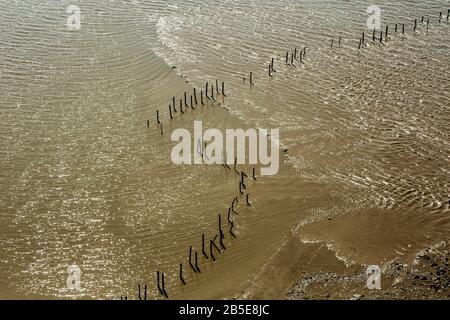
(248, 203)
(301, 56)
(170, 111)
(196, 262)
(287, 57)
(251, 78)
(190, 259)
(403, 29)
(223, 89)
(181, 106)
(386, 35)
(212, 92)
(174, 104)
(203, 247)
(159, 286)
(332, 41)
(396, 28)
(201, 98)
(148, 123)
(381, 36)
(272, 64)
(145, 292)
(181, 274)
(423, 19)
(192, 103)
(359, 45)
(206, 92)
(211, 253)
(161, 127)
(270, 68)
(163, 285)
(195, 97)
(139, 292)
(253, 174)
(185, 99)
(373, 36)
(157, 117)
(415, 24)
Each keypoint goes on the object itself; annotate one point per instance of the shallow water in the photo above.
(84, 181)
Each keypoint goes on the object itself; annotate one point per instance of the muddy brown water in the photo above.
(84, 181)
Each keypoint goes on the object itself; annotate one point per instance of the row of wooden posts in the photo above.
(291, 57)
(396, 30)
(216, 244)
(189, 104)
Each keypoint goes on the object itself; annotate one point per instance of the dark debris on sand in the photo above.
(426, 277)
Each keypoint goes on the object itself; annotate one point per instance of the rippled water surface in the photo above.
(84, 181)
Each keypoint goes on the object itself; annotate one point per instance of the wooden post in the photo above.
(295, 53)
(139, 292)
(145, 292)
(161, 128)
(272, 64)
(206, 92)
(203, 247)
(386, 35)
(292, 59)
(395, 28)
(163, 285)
(181, 106)
(223, 89)
(201, 97)
(373, 36)
(148, 123)
(301, 56)
(211, 253)
(304, 52)
(448, 14)
(363, 38)
(196, 262)
(157, 117)
(185, 99)
(195, 97)
(192, 103)
(359, 45)
(212, 92)
(159, 286)
(381, 36)
(181, 274)
(423, 19)
(217, 87)
(253, 174)
(428, 23)
(332, 41)
(248, 203)
(403, 29)
(270, 75)
(190, 259)
(170, 112)
(251, 78)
